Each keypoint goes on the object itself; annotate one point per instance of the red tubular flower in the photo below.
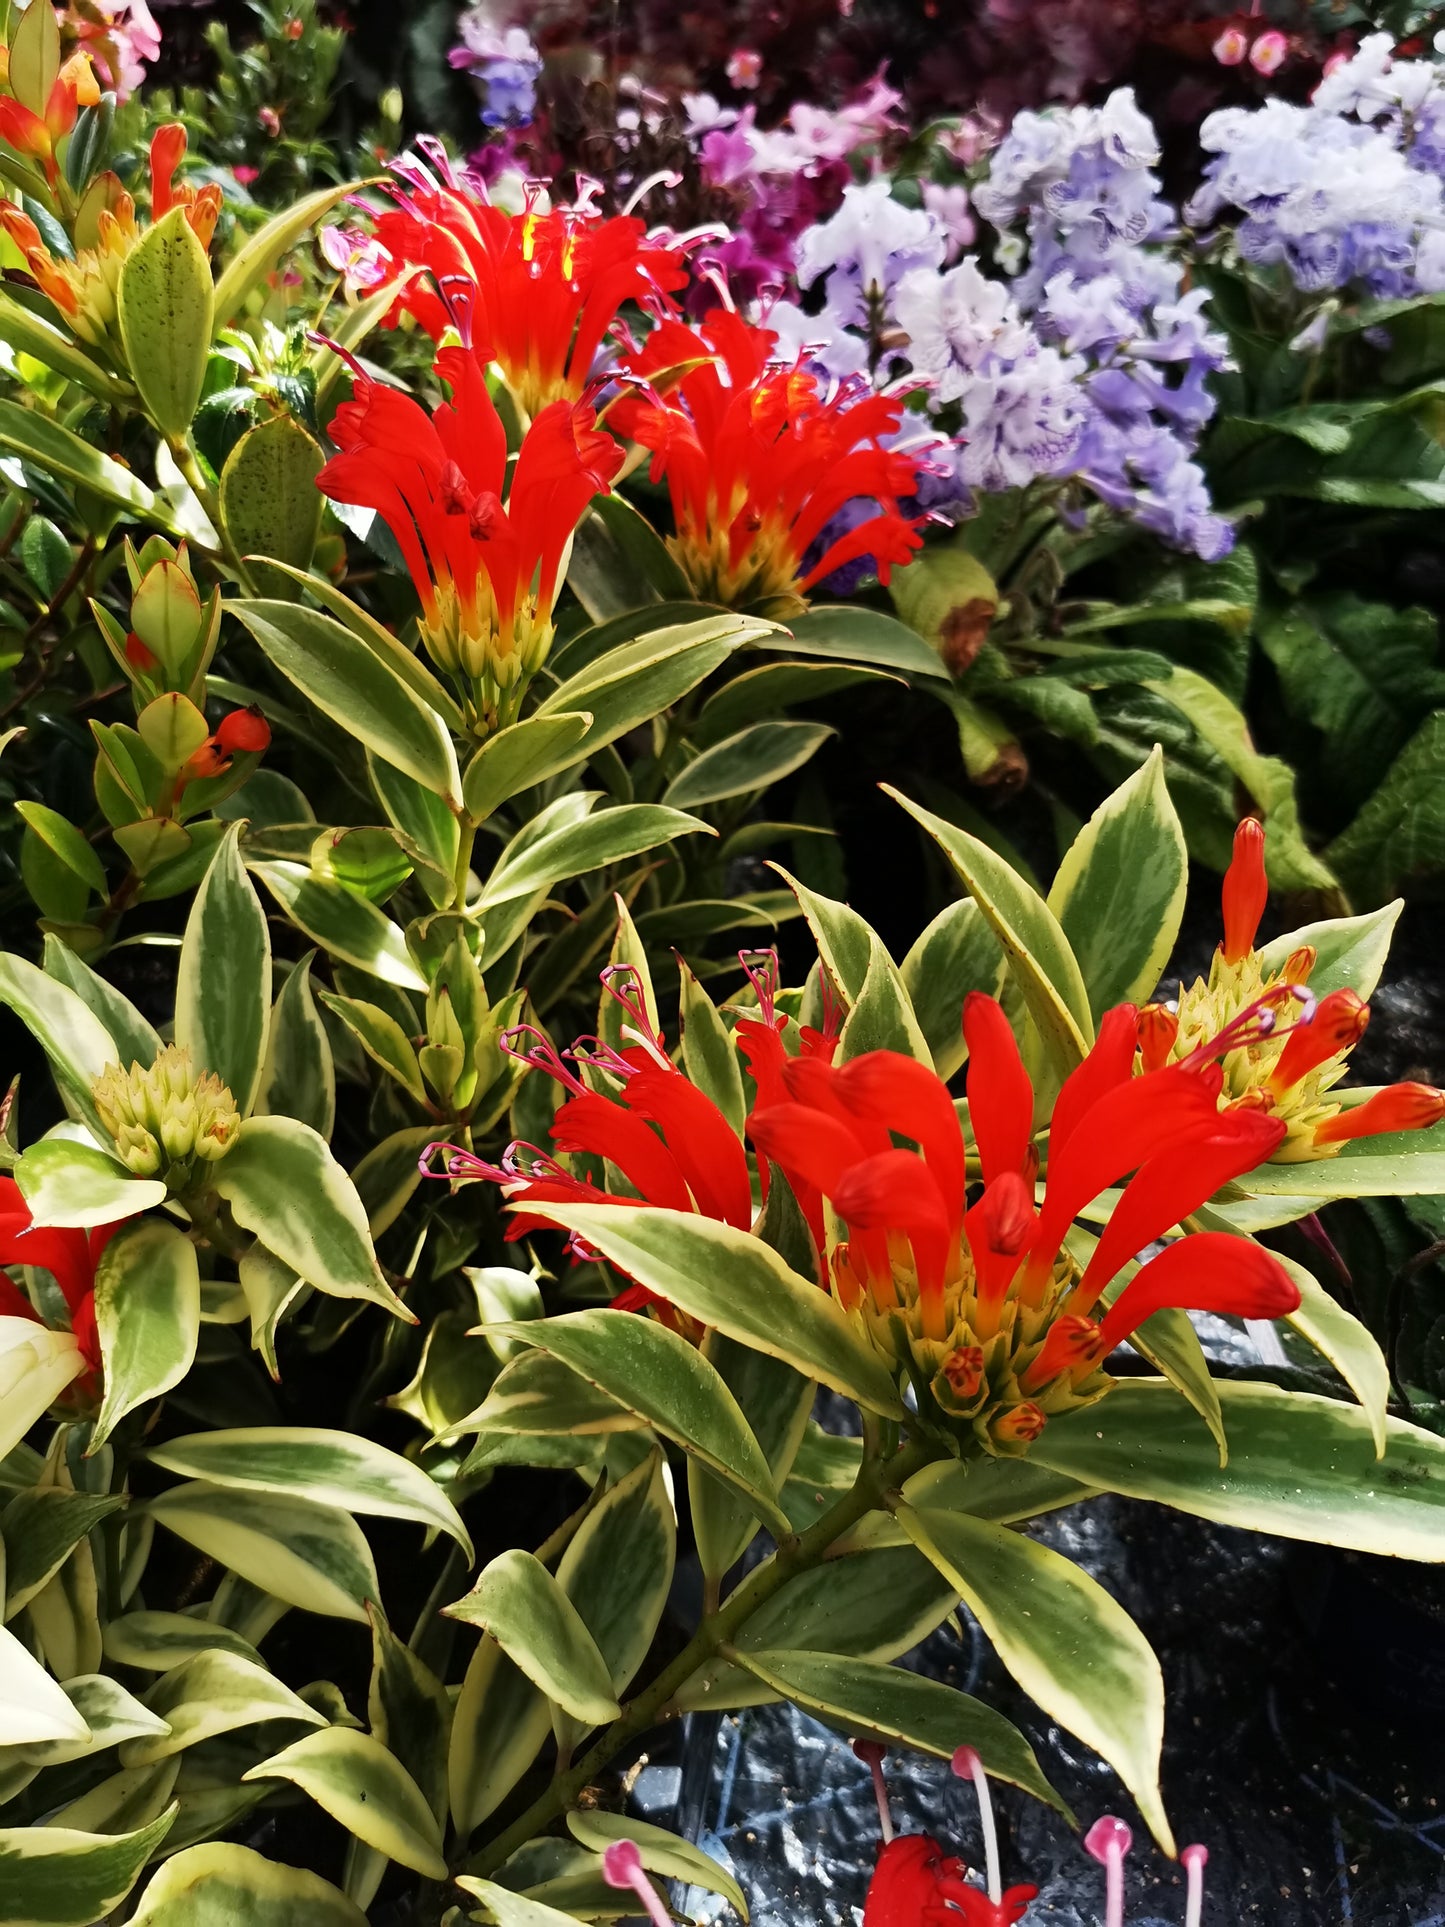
(537, 293)
(1246, 891)
(758, 463)
(980, 1301)
(487, 574)
(36, 135)
(915, 1884)
(1399, 1107)
(70, 1256)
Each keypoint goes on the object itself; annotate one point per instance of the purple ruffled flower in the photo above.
(504, 62)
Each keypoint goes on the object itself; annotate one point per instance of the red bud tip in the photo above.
(1246, 891)
(244, 732)
(1339, 1022)
(211, 759)
(963, 1368)
(1071, 1342)
(1008, 1213)
(1158, 1031)
(1399, 1107)
(1020, 1425)
(137, 655)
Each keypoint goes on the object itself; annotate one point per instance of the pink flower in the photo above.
(949, 207)
(1269, 52)
(244, 174)
(1231, 47)
(745, 67)
(363, 261)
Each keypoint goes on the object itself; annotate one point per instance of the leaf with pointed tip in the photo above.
(357, 1781)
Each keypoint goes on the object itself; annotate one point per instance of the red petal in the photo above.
(806, 1144)
(896, 1191)
(1109, 1064)
(911, 1098)
(1338, 1024)
(1000, 1096)
(706, 1147)
(1399, 1107)
(1210, 1271)
(1170, 1186)
(594, 1123)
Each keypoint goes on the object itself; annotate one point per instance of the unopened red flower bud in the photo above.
(244, 732)
(1399, 1107)
(270, 120)
(294, 29)
(137, 655)
(1246, 890)
(1158, 1029)
(1338, 1024)
(211, 759)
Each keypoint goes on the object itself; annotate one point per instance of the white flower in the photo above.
(956, 321)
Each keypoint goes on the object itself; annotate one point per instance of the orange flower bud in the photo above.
(963, 1368)
(209, 760)
(1072, 1342)
(1246, 891)
(1158, 1029)
(1399, 1107)
(1298, 964)
(1020, 1425)
(1338, 1024)
(244, 732)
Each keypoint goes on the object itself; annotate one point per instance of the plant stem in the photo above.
(795, 1555)
(205, 1216)
(466, 841)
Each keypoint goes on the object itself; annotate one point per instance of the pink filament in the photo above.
(622, 1867)
(1195, 1860)
(872, 1754)
(1108, 1840)
(968, 1766)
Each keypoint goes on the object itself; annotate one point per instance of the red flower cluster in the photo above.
(487, 574)
(70, 1256)
(758, 461)
(915, 1884)
(979, 1300)
(36, 135)
(537, 293)
(1288, 1051)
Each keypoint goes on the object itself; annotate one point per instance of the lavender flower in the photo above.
(505, 62)
(866, 249)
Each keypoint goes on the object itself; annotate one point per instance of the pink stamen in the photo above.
(968, 1766)
(588, 189)
(760, 967)
(664, 177)
(622, 1867)
(458, 297)
(325, 341)
(541, 1055)
(832, 1003)
(1108, 1840)
(429, 145)
(591, 1050)
(623, 982)
(457, 1163)
(1195, 1859)
(873, 1753)
(1254, 1023)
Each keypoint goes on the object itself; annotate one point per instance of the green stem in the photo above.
(876, 1477)
(209, 500)
(466, 841)
(204, 1213)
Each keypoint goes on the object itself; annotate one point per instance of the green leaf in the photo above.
(164, 306)
(57, 1877)
(756, 695)
(650, 1369)
(34, 65)
(77, 1044)
(957, 953)
(156, 1642)
(536, 1393)
(1039, 956)
(882, 1017)
(33, 336)
(508, 1909)
(661, 1852)
(223, 988)
(352, 1777)
(1399, 834)
(332, 1468)
(858, 635)
(227, 1886)
(356, 688)
(382, 1038)
(66, 841)
(410, 1713)
(1222, 727)
(131, 1798)
(632, 684)
(298, 1078)
(1119, 892)
(888, 1704)
(1350, 951)
(520, 756)
(1300, 1466)
(42, 1527)
(256, 257)
(1006, 1491)
(67, 1184)
(1072, 1648)
(282, 1183)
(775, 1399)
(498, 1728)
(111, 1715)
(136, 1040)
(55, 451)
(732, 1281)
(617, 1572)
(709, 1055)
(751, 760)
(344, 924)
(531, 1618)
(270, 504)
(610, 836)
(1349, 1346)
(312, 1556)
(148, 1314)
(845, 942)
(619, 561)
